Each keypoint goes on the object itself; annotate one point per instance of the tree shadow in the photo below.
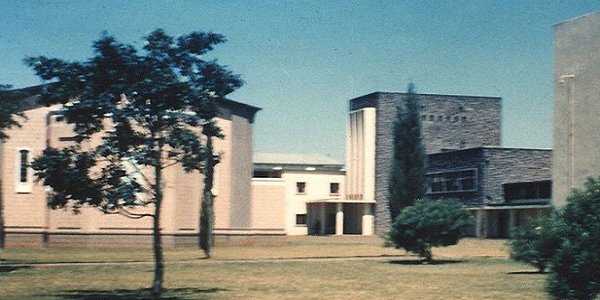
(138, 294)
(527, 273)
(8, 269)
(424, 263)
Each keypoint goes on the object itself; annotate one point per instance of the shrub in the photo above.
(430, 223)
(536, 242)
(575, 269)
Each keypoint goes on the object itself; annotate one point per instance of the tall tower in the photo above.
(576, 154)
(449, 122)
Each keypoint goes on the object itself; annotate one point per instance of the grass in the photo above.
(474, 269)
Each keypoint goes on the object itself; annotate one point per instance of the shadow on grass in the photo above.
(139, 294)
(424, 263)
(528, 273)
(8, 269)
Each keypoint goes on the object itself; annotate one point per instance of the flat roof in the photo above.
(294, 159)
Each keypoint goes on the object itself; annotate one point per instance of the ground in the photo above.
(348, 267)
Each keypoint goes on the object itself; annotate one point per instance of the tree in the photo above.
(575, 268)
(430, 223)
(536, 242)
(9, 111)
(146, 106)
(407, 178)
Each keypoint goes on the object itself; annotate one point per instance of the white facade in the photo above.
(312, 190)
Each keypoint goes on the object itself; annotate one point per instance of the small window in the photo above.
(300, 187)
(334, 188)
(23, 165)
(424, 118)
(431, 118)
(23, 172)
(440, 119)
(301, 219)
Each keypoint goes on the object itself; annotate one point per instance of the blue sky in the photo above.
(303, 60)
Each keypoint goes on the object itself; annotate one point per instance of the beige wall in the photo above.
(26, 211)
(576, 104)
(268, 204)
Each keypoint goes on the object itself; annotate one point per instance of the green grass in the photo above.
(474, 269)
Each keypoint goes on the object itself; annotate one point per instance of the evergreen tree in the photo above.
(407, 178)
(430, 223)
(145, 105)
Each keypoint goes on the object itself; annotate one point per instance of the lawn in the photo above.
(353, 268)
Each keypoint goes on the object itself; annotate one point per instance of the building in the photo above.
(502, 187)
(576, 104)
(305, 193)
(465, 160)
(448, 123)
(28, 220)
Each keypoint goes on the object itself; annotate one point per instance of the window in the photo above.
(266, 174)
(23, 174)
(450, 182)
(301, 219)
(300, 187)
(334, 188)
(537, 190)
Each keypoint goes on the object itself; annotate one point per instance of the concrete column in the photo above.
(512, 220)
(322, 218)
(339, 219)
(479, 219)
(367, 219)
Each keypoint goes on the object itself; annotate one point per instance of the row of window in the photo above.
(528, 190)
(439, 119)
(334, 188)
(455, 181)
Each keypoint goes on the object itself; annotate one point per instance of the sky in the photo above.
(303, 60)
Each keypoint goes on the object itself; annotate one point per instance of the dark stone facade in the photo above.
(448, 122)
(495, 167)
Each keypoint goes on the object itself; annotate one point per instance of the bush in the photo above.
(536, 242)
(429, 223)
(575, 269)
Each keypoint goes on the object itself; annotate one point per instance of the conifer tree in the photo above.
(407, 178)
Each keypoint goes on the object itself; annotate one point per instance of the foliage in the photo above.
(536, 241)
(145, 106)
(575, 269)
(407, 178)
(430, 223)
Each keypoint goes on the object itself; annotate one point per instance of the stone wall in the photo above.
(495, 166)
(448, 122)
(511, 165)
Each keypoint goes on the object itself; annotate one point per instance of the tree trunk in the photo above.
(2, 233)
(207, 214)
(156, 235)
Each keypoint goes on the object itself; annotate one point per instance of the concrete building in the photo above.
(576, 104)
(501, 186)
(307, 192)
(28, 220)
